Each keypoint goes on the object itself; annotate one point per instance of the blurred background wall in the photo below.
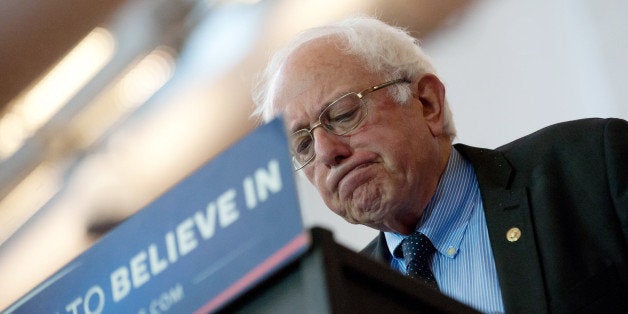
(106, 104)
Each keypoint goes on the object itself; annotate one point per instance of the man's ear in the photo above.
(431, 93)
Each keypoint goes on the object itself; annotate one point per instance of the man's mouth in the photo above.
(353, 177)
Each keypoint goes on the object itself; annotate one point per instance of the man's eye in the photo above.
(343, 116)
(344, 110)
(302, 146)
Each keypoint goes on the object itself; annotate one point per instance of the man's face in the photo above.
(384, 172)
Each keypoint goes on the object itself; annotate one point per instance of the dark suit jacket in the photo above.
(566, 188)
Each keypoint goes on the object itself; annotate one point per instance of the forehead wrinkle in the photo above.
(307, 107)
(306, 114)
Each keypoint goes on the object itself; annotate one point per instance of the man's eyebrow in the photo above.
(297, 127)
(306, 126)
(301, 125)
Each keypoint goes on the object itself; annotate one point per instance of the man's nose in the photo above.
(330, 148)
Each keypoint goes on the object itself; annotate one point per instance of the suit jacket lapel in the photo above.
(378, 249)
(511, 231)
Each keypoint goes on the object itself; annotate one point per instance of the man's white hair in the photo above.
(384, 49)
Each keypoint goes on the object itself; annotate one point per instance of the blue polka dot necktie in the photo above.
(417, 252)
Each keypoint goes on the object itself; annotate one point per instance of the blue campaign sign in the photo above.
(219, 231)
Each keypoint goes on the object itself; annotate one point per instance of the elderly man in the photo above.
(538, 225)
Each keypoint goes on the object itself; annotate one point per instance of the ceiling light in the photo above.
(34, 107)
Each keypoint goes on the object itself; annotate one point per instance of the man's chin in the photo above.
(370, 218)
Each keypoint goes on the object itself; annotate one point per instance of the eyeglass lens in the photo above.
(340, 118)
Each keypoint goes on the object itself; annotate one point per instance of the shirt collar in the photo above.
(445, 218)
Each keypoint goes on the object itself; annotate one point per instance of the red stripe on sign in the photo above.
(257, 272)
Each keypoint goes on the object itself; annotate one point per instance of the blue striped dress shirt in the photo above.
(454, 221)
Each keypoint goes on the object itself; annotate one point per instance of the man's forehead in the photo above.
(312, 77)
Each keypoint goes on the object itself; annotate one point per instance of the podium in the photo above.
(330, 278)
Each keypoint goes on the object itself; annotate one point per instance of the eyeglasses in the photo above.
(340, 117)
